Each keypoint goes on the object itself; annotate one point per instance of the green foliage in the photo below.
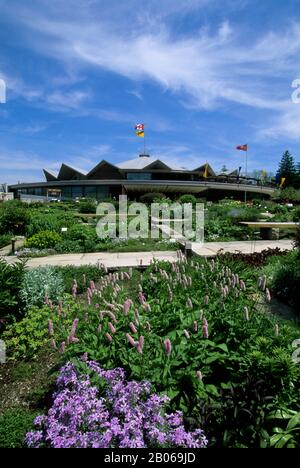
(11, 277)
(286, 280)
(287, 169)
(5, 239)
(188, 199)
(288, 194)
(149, 198)
(223, 218)
(14, 217)
(289, 435)
(25, 338)
(49, 220)
(87, 205)
(83, 275)
(246, 367)
(14, 424)
(39, 283)
(43, 240)
(78, 238)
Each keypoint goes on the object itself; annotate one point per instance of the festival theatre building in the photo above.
(133, 177)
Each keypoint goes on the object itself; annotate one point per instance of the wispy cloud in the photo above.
(211, 67)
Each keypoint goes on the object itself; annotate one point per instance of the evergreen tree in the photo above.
(287, 169)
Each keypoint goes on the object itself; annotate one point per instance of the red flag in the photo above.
(242, 148)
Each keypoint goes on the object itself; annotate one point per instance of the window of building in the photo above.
(67, 192)
(91, 191)
(77, 192)
(139, 175)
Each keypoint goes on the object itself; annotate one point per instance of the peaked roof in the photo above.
(99, 165)
(142, 162)
(66, 170)
(50, 175)
(209, 169)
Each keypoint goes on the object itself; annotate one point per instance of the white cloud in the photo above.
(212, 68)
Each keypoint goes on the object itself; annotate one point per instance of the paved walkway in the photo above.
(7, 249)
(210, 249)
(110, 260)
(133, 259)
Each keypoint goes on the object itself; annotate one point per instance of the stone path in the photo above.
(7, 249)
(110, 260)
(210, 249)
(133, 259)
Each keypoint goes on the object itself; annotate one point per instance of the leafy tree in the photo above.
(224, 169)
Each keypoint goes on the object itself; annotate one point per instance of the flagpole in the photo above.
(246, 170)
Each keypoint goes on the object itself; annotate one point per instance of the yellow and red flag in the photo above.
(140, 130)
(242, 147)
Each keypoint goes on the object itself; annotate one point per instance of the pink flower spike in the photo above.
(108, 337)
(111, 327)
(199, 375)
(186, 334)
(268, 295)
(62, 347)
(205, 332)
(50, 327)
(126, 307)
(53, 344)
(195, 326)
(130, 340)
(132, 328)
(141, 341)
(84, 357)
(168, 346)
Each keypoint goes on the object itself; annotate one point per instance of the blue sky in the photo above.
(203, 75)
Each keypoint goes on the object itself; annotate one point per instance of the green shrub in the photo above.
(87, 206)
(14, 424)
(49, 221)
(68, 246)
(39, 283)
(78, 238)
(296, 214)
(188, 199)
(11, 277)
(25, 338)
(83, 275)
(14, 217)
(5, 239)
(150, 197)
(286, 280)
(43, 240)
